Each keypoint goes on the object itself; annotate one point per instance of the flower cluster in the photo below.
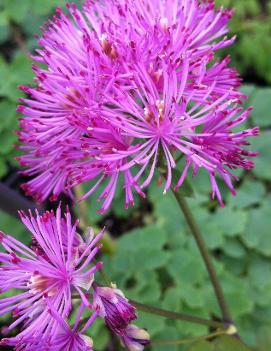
(129, 87)
(45, 276)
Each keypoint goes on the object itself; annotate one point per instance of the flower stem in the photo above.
(176, 315)
(170, 315)
(205, 255)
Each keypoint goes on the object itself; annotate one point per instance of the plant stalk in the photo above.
(176, 315)
(205, 255)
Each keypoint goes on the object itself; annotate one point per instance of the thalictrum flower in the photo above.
(153, 28)
(62, 337)
(59, 264)
(113, 99)
(180, 122)
(134, 338)
(112, 305)
(70, 88)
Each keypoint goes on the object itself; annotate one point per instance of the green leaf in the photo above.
(229, 343)
(203, 346)
(14, 227)
(168, 333)
(250, 193)
(7, 114)
(261, 144)
(186, 267)
(261, 111)
(234, 248)
(16, 9)
(136, 239)
(3, 168)
(7, 142)
(153, 324)
(230, 221)
(257, 234)
(222, 343)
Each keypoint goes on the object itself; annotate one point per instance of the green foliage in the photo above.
(252, 24)
(223, 343)
(157, 262)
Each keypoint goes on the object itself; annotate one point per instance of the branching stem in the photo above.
(205, 255)
(176, 315)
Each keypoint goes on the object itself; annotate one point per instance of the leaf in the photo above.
(153, 324)
(3, 168)
(257, 234)
(222, 343)
(7, 115)
(14, 227)
(230, 221)
(168, 333)
(250, 193)
(261, 144)
(8, 140)
(234, 248)
(186, 267)
(136, 239)
(261, 113)
(237, 295)
(203, 346)
(16, 9)
(229, 343)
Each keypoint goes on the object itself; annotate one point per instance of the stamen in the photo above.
(40, 283)
(108, 48)
(164, 23)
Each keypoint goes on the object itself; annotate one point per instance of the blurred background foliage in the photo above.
(154, 259)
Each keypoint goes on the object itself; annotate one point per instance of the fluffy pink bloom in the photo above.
(112, 99)
(59, 264)
(180, 122)
(153, 28)
(101, 139)
(69, 87)
(56, 130)
(62, 338)
(112, 305)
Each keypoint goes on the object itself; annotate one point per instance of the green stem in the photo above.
(205, 255)
(169, 314)
(190, 340)
(175, 315)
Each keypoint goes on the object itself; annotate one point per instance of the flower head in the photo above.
(59, 264)
(115, 101)
(61, 337)
(152, 28)
(112, 305)
(134, 338)
(184, 121)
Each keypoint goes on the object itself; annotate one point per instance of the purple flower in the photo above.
(115, 100)
(59, 116)
(102, 140)
(152, 28)
(58, 264)
(66, 90)
(61, 337)
(181, 122)
(112, 305)
(134, 338)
